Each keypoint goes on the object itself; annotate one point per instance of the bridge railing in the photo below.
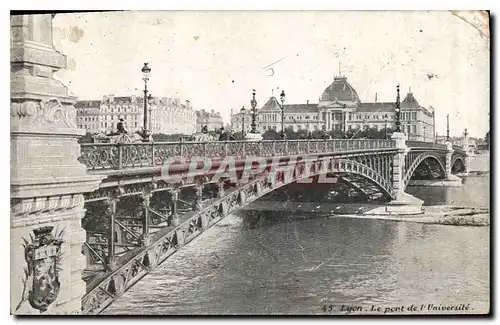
(131, 155)
(426, 145)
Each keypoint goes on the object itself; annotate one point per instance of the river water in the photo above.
(293, 265)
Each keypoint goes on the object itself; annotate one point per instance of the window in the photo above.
(307, 117)
(358, 117)
(323, 116)
(350, 116)
(413, 129)
(315, 127)
(414, 116)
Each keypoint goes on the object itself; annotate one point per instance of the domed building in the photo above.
(337, 100)
(340, 109)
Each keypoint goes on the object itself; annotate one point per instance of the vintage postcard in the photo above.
(250, 163)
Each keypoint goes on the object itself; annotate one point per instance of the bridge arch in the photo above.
(418, 161)
(335, 167)
(458, 164)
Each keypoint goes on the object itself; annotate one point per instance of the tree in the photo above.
(271, 135)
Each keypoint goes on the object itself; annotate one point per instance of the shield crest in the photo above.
(43, 254)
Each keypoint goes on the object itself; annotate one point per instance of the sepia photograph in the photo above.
(307, 162)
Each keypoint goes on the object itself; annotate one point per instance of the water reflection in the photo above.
(473, 193)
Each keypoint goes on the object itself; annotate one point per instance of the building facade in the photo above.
(212, 120)
(240, 121)
(165, 115)
(340, 109)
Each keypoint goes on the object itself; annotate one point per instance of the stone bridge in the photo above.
(129, 207)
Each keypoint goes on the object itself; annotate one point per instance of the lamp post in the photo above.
(243, 111)
(398, 111)
(447, 127)
(150, 113)
(282, 97)
(424, 133)
(253, 103)
(145, 76)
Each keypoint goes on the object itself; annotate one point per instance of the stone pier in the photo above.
(403, 203)
(47, 181)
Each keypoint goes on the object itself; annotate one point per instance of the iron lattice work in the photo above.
(134, 155)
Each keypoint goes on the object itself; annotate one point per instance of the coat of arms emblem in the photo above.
(43, 255)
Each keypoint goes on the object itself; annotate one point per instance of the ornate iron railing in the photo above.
(426, 145)
(132, 155)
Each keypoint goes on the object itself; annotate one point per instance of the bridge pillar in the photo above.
(199, 197)
(146, 218)
(174, 197)
(220, 189)
(449, 153)
(450, 180)
(110, 259)
(467, 156)
(402, 203)
(47, 181)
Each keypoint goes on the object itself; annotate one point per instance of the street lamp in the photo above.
(253, 103)
(145, 76)
(282, 97)
(447, 127)
(398, 111)
(150, 112)
(243, 111)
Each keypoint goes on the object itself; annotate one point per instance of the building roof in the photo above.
(410, 102)
(301, 108)
(376, 107)
(271, 105)
(88, 104)
(123, 99)
(340, 90)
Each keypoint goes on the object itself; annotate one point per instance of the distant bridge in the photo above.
(194, 185)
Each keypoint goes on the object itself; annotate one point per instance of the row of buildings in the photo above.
(166, 115)
(340, 109)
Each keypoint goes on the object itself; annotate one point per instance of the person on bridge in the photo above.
(223, 135)
(120, 127)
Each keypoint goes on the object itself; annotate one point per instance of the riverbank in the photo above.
(441, 214)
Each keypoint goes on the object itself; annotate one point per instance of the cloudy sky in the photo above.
(215, 59)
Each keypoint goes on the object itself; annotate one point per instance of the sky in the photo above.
(215, 58)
